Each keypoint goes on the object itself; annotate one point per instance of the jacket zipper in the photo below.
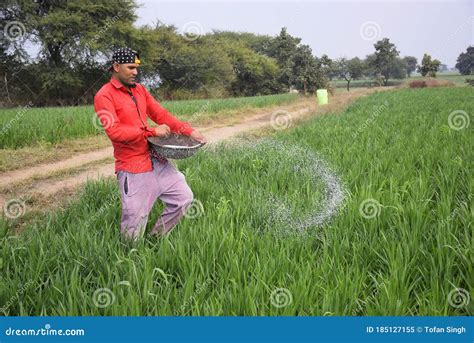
(138, 110)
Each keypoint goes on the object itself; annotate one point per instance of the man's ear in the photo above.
(116, 67)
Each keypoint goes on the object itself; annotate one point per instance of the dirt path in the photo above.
(212, 132)
(38, 181)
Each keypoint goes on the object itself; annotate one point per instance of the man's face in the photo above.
(126, 73)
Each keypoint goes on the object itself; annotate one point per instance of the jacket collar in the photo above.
(116, 83)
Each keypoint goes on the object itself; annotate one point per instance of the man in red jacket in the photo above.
(123, 106)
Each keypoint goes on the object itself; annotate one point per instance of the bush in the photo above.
(438, 83)
(417, 84)
(430, 83)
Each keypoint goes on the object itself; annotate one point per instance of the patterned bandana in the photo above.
(125, 55)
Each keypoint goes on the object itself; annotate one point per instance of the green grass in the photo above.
(394, 147)
(364, 83)
(458, 79)
(31, 126)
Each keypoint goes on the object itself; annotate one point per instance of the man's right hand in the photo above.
(162, 131)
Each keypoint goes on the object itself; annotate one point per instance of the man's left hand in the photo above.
(198, 136)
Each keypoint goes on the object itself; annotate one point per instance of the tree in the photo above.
(70, 30)
(258, 43)
(398, 68)
(327, 66)
(75, 42)
(69, 35)
(465, 61)
(192, 68)
(385, 54)
(369, 66)
(307, 75)
(255, 74)
(283, 48)
(428, 66)
(297, 66)
(411, 63)
(349, 69)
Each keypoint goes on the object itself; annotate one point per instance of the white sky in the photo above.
(443, 29)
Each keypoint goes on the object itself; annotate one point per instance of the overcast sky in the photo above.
(337, 28)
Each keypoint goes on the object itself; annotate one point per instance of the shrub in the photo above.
(430, 83)
(470, 82)
(417, 84)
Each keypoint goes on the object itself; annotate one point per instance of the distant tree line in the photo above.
(75, 40)
(385, 64)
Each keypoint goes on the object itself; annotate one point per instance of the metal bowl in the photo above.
(174, 146)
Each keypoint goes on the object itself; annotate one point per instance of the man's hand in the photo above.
(198, 136)
(162, 131)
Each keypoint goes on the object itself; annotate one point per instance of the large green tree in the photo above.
(327, 66)
(349, 69)
(411, 63)
(307, 74)
(398, 68)
(68, 31)
(385, 54)
(255, 74)
(283, 48)
(185, 68)
(72, 37)
(428, 66)
(465, 61)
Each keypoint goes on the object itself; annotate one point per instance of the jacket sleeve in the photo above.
(115, 130)
(160, 115)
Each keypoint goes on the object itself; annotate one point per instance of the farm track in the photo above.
(45, 184)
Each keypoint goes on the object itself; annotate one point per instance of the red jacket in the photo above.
(125, 122)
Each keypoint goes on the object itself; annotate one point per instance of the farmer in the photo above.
(123, 106)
